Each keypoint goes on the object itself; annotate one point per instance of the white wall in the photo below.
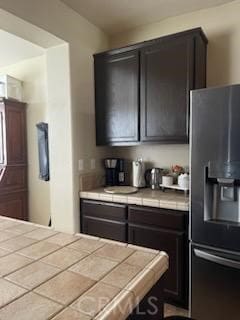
(222, 27)
(16, 49)
(60, 137)
(34, 76)
(84, 39)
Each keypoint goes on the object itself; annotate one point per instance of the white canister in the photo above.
(183, 181)
(167, 181)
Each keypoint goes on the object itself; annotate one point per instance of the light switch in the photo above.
(93, 164)
(81, 165)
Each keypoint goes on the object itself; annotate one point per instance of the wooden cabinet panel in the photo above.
(142, 91)
(174, 244)
(117, 97)
(163, 218)
(2, 135)
(200, 63)
(14, 205)
(104, 219)
(166, 81)
(13, 160)
(104, 210)
(108, 229)
(15, 133)
(14, 177)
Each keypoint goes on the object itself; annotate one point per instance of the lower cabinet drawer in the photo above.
(158, 217)
(104, 210)
(113, 230)
(174, 243)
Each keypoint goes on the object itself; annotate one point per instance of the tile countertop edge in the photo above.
(135, 291)
(145, 197)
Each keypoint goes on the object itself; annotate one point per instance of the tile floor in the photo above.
(170, 310)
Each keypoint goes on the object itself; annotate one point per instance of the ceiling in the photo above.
(114, 16)
(15, 49)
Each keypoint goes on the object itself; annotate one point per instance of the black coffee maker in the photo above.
(115, 174)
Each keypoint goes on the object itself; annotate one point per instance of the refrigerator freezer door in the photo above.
(215, 290)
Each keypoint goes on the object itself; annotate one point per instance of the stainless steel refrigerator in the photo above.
(215, 204)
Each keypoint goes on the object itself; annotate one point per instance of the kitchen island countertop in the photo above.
(45, 274)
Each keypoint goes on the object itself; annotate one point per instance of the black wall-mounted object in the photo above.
(43, 153)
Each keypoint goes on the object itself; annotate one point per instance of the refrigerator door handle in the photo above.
(219, 260)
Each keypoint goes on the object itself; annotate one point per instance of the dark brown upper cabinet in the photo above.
(166, 79)
(117, 97)
(142, 91)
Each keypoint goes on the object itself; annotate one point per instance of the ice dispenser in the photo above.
(222, 192)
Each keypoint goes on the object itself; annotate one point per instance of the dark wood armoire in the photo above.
(13, 160)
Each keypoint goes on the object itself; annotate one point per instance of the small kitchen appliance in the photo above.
(115, 174)
(138, 173)
(156, 177)
(167, 181)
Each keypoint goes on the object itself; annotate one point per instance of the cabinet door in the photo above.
(15, 133)
(14, 205)
(117, 98)
(173, 243)
(2, 135)
(103, 210)
(113, 230)
(166, 81)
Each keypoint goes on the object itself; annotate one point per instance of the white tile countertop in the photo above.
(168, 199)
(45, 274)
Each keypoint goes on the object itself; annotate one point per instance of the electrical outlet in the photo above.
(81, 165)
(93, 164)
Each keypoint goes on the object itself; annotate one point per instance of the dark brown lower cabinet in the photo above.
(155, 228)
(171, 242)
(166, 230)
(114, 230)
(104, 219)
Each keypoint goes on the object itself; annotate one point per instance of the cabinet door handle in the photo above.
(217, 259)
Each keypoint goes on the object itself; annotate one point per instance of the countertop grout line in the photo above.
(24, 235)
(40, 260)
(28, 290)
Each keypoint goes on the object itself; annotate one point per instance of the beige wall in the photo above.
(83, 39)
(33, 74)
(60, 137)
(222, 27)
(163, 156)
